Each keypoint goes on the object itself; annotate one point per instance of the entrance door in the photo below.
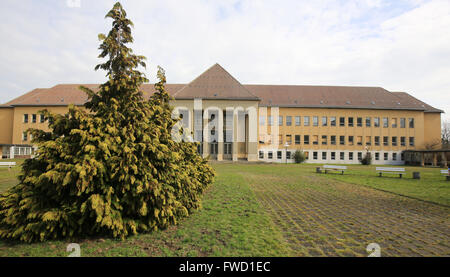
(213, 150)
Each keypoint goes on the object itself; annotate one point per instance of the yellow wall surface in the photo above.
(427, 127)
(20, 126)
(6, 125)
(432, 130)
(417, 132)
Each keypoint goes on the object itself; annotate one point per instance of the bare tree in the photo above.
(446, 134)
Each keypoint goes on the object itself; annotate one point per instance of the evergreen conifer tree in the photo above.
(111, 168)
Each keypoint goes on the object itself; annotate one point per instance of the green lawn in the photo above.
(431, 187)
(254, 210)
(8, 177)
(230, 223)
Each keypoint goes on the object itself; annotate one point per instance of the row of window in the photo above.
(343, 140)
(315, 154)
(33, 118)
(343, 121)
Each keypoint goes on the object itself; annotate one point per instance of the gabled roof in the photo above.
(336, 97)
(64, 94)
(215, 83)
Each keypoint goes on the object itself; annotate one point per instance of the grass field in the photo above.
(289, 210)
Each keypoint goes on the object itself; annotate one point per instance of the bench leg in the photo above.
(401, 175)
(380, 174)
(342, 172)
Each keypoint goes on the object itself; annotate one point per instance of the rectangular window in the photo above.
(385, 141)
(403, 141)
(386, 156)
(262, 120)
(25, 118)
(402, 156)
(315, 155)
(33, 118)
(306, 121)
(377, 156)
(270, 155)
(261, 154)
(297, 121)
(306, 139)
(394, 123)
(411, 123)
(289, 139)
(350, 122)
(377, 141)
(42, 118)
(24, 136)
(324, 140)
(280, 120)
(350, 140)
(342, 140)
(350, 156)
(376, 122)
(288, 155)
(359, 140)
(402, 123)
(270, 120)
(297, 139)
(324, 121)
(385, 122)
(324, 155)
(342, 121)
(333, 121)
(315, 140)
(359, 156)
(333, 155)
(368, 122)
(368, 140)
(333, 140)
(279, 155)
(342, 156)
(394, 141)
(359, 122)
(394, 156)
(315, 121)
(411, 141)
(288, 120)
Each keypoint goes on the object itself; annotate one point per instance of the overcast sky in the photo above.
(400, 45)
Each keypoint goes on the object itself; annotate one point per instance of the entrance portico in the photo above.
(221, 114)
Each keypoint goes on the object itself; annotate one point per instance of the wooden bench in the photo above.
(446, 174)
(7, 164)
(391, 170)
(340, 168)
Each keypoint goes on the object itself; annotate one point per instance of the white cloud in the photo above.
(398, 45)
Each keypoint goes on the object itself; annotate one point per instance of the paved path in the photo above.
(323, 217)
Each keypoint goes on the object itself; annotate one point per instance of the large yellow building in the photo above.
(331, 124)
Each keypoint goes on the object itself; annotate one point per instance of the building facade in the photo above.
(232, 121)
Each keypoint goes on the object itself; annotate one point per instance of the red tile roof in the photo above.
(217, 83)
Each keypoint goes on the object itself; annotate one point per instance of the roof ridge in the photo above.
(222, 69)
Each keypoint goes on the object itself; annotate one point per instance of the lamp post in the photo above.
(286, 147)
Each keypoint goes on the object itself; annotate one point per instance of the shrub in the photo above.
(299, 156)
(367, 159)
